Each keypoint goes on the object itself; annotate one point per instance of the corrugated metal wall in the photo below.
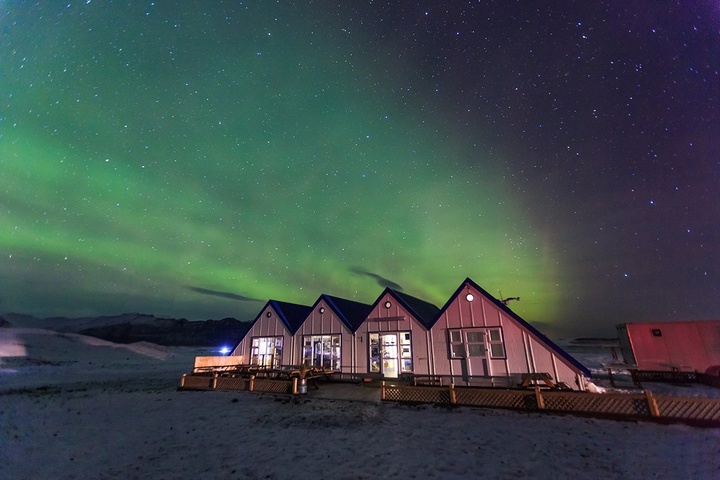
(693, 346)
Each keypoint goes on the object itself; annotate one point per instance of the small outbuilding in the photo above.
(672, 346)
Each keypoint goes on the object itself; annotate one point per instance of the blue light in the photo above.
(224, 350)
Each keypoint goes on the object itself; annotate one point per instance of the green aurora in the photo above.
(264, 161)
(195, 159)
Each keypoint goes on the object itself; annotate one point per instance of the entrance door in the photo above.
(389, 350)
(476, 353)
(390, 353)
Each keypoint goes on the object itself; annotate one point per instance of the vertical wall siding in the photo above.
(464, 312)
(418, 334)
(547, 361)
(506, 362)
(686, 345)
(517, 359)
(438, 335)
(524, 352)
(327, 324)
(266, 327)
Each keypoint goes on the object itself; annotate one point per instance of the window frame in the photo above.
(500, 342)
(316, 357)
(493, 342)
(275, 342)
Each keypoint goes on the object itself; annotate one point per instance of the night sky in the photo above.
(194, 159)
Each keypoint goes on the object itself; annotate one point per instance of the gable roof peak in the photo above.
(291, 314)
(419, 308)
(350, 312)
(520, 321)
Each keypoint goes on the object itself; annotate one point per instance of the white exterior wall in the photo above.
(327, 323)
(394, 319)
(524, 352)
(266, 326)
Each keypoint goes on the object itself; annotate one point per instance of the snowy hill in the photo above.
(135, 327)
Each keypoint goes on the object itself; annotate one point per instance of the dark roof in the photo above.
(291, 314)
(350, 312)
(517, 318)
(424, 311)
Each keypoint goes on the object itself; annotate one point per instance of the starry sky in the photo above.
(194, 159)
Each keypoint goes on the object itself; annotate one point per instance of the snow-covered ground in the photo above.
(74, 407)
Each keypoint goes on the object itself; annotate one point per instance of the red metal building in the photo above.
(672, 346)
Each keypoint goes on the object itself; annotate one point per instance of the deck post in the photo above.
(214, 381)
(539, 398)
(382, 390)
(251, 385)
(610, 376)
(294, 385)
(182, 380)
(652, 404)
(453, 398)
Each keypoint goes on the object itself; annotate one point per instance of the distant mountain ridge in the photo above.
(138, 327)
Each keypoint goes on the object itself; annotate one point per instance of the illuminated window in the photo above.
(391, 353)
(266, 351)
(322, 351)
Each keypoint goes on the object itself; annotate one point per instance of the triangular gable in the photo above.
(424, 312)
(290, 314)
(351, 313)
(525, 325)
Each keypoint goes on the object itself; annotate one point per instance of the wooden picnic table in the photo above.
(312, 374)
(221, 369)
(532, 379)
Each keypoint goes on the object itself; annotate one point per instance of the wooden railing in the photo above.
(236, 382)
(646, 406)
(674, 377)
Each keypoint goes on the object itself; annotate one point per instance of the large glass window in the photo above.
(266, 351)
(476, 343)
(390, 351)
(322, 351)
